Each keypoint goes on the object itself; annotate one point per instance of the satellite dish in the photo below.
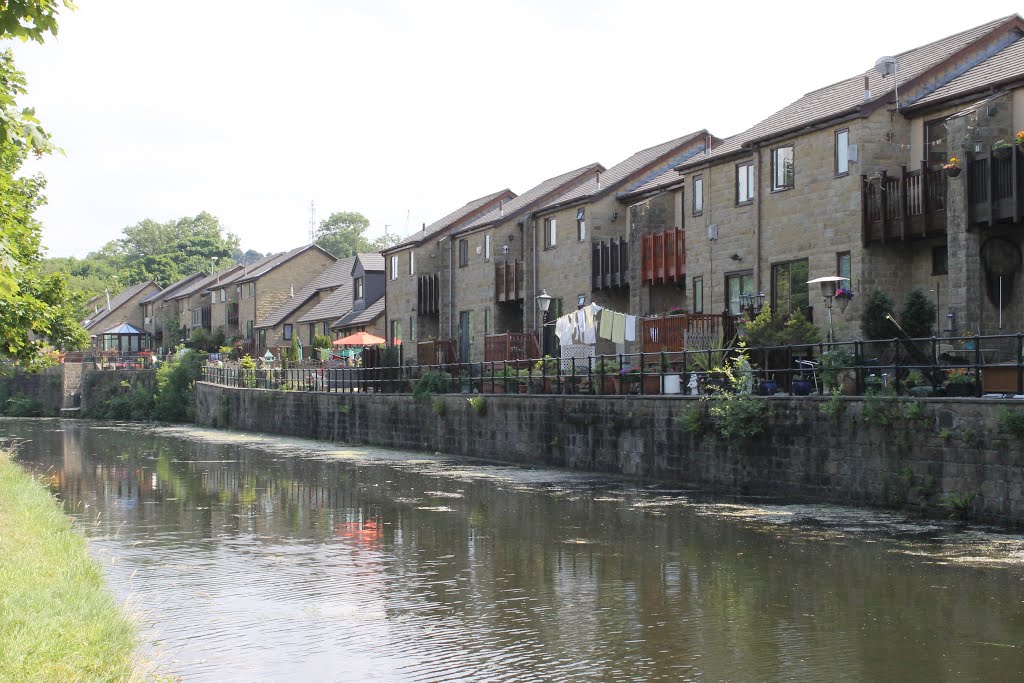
(885, 66)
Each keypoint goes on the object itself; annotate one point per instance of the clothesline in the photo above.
(591, 322)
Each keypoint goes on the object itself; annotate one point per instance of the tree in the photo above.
(874, 320)
(341, 234)
(385, 241)
(35, 306)
(917, 317)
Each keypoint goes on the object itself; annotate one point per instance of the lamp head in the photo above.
(543, 300)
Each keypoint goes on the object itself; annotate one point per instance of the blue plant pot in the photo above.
(767, 388)
(801, 387)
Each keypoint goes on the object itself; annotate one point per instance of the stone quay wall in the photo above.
(899, 453)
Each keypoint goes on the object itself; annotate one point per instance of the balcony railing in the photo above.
(664, 257)
(427, 294)
(610, 263)
(686, 332)
(995, 187)
(508, 281)
(437, 352)
(911, 205)
(232, 315)
(511, 346)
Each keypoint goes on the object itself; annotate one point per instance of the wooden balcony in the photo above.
(911, 205)
(995, 188)
(511, 346)
(663, 257)
(437, 352)
(686, 332)
(509, 284)
(610, 263)
(428, 295)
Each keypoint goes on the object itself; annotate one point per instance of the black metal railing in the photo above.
(934, 366)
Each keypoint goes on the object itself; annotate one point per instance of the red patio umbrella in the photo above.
(360, 339)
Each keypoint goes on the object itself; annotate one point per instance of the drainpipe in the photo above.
(533, 245)
(757, 245)
(447, 237)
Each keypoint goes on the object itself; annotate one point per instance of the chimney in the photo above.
(501, 207)
(867, 90)
(108, 299)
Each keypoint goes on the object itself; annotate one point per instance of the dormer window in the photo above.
(357, 286)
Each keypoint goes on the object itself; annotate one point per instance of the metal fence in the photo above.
(926, 367)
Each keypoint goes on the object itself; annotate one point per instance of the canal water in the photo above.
(251, 558)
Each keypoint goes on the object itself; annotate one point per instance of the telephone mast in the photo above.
(312, 221)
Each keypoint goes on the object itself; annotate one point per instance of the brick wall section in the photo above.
(46, 386)
(804, 455)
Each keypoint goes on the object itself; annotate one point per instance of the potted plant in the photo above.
(546, 371)
(1001, 149)
(835, 366)
(606, 376)
(960, 382)
(970, 340)
(952, 167)
(843, 296)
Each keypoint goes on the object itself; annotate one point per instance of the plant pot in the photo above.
(961, 390)
(801, 387)
(1002, 152)
(767, 388)
(670, 384)
(609, 385)
(970, 344)
(842, 303)
(953, 172)
(922, 390)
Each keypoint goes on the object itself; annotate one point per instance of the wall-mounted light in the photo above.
(504, 249)
(736, 257)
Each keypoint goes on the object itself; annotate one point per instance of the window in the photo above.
(248, 329)
(745, 183)
(487, 321)
(736, 284)
(789, 287)
(782, 168)
(698, 195)
(327, 329)
(935, 142)
(843, 268)
(843, 151)
(940, 260)
(463, 253)
(357, 287)
(396, 330)
(698, 295)
(287, 332)
(223, 296)
(550, 230)
(312, 333)
(412, 263)
(263, 338)
(581, 224)
(487, 247)
(394, 267)
(252, 288)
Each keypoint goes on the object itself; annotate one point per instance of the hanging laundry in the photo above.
(630, 328)
(605, 329)
(619, 328)
(590, 327)
(563, 330)
(581, 325)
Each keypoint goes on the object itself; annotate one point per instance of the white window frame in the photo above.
(745, 183)
(698, 195)
(487, 247)
(412, 263)
(842, 154)
(550, 232)
(394, 266)
(779, 180)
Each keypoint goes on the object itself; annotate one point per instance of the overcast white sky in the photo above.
(404, 111)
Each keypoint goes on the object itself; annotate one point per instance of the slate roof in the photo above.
(367, 315)
(172, 289)
(116, 303)
(529, 198)
(267, 264)
(220, 278)
(624, 172)
(660, 182)
(1007, 65)
(454, 217)
(847, 96)
(372, 262)
(333, 276)
(338, 304)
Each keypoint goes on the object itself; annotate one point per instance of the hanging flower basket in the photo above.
(952, 167)
(841, 304)
(1002, 149)
(843, 296)
(953, 172)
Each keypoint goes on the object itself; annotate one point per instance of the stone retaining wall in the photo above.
(884, 452)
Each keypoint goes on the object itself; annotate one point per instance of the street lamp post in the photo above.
(543, 303)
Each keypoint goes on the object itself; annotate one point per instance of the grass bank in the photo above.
(57, 620)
